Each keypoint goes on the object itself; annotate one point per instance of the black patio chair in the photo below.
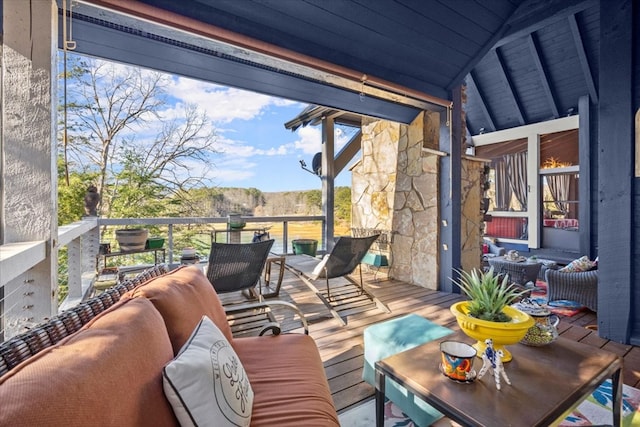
(236, 267)
(345, 256)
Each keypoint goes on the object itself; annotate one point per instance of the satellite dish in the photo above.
(316, 164)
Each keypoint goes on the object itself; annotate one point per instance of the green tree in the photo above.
(314, 199)
(71, 193)
(110, 110)
(343, 204)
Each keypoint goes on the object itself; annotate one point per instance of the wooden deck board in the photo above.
(342, 347)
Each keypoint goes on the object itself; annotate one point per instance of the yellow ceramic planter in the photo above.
(502, 333)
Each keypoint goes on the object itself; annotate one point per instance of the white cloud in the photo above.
(230, 169)
(223, 104)
(310, 140)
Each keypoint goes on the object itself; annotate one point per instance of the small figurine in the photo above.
(492, 359)
(91, 200)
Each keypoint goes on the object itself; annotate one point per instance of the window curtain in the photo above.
(559, 188)
(517, 174)
(503, 189)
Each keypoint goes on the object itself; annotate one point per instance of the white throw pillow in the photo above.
(206, 383)
(319, 270)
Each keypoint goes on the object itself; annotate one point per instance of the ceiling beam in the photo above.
(483, 105)
(544, 79)
(582, 56)
(348, 152)
(534, 15)
(495, 55)
(291, 61)
(199, 62)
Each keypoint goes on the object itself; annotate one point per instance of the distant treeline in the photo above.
(221, 201)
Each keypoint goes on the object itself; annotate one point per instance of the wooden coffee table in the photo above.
(548, 383)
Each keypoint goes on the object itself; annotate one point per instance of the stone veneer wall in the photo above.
(472, 217)
(395, 187)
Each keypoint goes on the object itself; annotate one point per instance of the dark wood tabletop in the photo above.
(547, 383)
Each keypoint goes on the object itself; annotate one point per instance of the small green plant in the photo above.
(488, 294)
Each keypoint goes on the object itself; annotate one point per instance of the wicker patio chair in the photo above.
(579, 286)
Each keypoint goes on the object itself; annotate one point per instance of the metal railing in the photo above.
(21, 307)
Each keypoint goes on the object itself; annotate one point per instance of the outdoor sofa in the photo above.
(110, 371)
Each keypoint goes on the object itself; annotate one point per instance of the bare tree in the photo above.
(117, 128)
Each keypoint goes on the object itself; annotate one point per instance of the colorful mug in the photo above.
(457, 360)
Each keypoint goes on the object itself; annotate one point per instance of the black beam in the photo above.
(544, 79)
(508, 85)
(451, 193)
(182, 59)
(534, 15)
(582, 56)
(616, 290)
(471, 82)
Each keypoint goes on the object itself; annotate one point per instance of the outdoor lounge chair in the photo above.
(346, 254)
(237, 267)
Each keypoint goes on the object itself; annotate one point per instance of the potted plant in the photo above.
(487, 313)
(132, 239)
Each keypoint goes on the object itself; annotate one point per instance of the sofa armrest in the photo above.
(496, 250)
(273, 326)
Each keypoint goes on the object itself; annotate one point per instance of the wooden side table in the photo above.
(547, 383)
(267, 276)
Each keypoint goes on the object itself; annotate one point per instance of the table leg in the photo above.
(616, 390)
(380, 385)
(267, 275)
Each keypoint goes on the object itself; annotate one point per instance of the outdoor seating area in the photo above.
(343, 349)
(149, 340)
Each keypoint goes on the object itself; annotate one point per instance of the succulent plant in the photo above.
(488, 294)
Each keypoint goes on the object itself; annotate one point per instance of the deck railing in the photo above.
(22, 307)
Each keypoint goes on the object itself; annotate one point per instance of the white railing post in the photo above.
(74, 268)
(82, 240)
(170, 243)
(90, 244)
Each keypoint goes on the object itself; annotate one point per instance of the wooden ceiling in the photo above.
(523, 61)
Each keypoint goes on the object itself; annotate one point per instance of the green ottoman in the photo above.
(394, 336)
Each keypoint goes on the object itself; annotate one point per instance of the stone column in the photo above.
(29, 191)
(416, 208)
(395, 188)
(472, 217)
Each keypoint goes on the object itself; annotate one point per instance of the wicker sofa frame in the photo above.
(21, 347)
(580, 286)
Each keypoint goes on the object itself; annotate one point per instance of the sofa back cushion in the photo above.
(108, 373)
(182, 297)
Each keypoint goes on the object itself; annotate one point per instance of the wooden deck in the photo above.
(341, 347)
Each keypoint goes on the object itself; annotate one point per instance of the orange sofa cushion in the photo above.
(288, 381)
(109, 373)
(182, 297)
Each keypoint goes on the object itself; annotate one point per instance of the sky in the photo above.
(255, 148)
